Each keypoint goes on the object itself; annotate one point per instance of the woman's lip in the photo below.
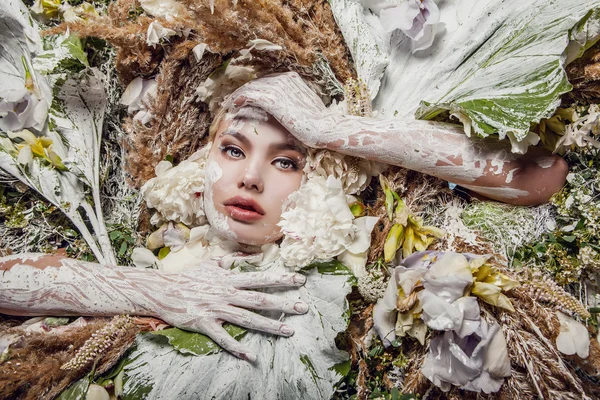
(241, 214)
(245, 203)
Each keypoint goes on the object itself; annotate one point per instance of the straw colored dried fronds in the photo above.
(32, 370)
(538, 369)
(304, 29)
(545, 289)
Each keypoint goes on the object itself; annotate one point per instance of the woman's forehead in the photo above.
(269, 133)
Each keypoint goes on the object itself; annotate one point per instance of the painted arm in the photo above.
(200, 299)
(443, 150)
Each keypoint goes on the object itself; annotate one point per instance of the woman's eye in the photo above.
(286, 164)
(232, 151)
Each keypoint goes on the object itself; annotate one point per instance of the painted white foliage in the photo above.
(298, 367)
(75, 137)
(497, 67)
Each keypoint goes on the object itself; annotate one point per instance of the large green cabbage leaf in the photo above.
(497, 65)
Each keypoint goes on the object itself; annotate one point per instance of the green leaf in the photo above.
(75, 47)
(569, 239)
(342, 368)
(498, 66)
(187, 342)
(76, 391)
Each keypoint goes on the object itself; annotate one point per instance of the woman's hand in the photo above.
(487, 167)
(200, 299)
(207, 296)
(290, 101)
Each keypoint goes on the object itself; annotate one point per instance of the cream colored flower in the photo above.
(317, 223)
(157, 32)
(177, 193)
(573, 337)
(167, 9)
(224, 81)
(355, 173)
(137, 94)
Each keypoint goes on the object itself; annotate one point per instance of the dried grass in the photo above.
(304, 28)
(33, 368)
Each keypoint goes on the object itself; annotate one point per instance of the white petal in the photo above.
(573, 337)
(143, 258)
(132, 92)
(25, 156)
(198, 51)
(400, 17)
(262, 44)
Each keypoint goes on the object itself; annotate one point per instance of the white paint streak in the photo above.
(498, 192)
(545, 162)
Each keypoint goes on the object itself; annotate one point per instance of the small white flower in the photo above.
(156, 32)
(317, 223)
(137, 94)
(167, 9)
(417, 19)
(521, 146)
(177, 192)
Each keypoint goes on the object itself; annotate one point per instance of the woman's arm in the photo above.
(200, 299)
(442, 150)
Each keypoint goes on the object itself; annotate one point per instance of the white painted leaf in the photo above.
(303, 366)
(498, 65)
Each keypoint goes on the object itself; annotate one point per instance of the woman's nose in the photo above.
(251, 179)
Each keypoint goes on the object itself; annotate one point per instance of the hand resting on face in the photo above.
(199, 299)
(485, 166)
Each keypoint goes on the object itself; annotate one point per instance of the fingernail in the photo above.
(301, 307)
(286, 330)
(248, 356)
(299, 279)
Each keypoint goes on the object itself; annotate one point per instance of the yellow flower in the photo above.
(489, 284)
(34, 146)
(46, 8)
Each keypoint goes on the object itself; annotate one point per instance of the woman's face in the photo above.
(252, 168)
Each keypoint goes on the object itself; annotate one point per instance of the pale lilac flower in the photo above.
(417, 19)
(477, 362)
(21, 108)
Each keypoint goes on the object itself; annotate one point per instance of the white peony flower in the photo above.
(355, 173)
(177, 193)
(167, 9)
(156, 32)
(417, 19)
(317, 223)
(136, 95)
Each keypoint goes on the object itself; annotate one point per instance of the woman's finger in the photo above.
(265, 301)
(256, 322)
(220, 336)
(257, 280)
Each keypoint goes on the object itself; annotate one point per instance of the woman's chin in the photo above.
(252, 236)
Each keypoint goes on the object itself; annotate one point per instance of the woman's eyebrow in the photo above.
(287, 146)
(238, 136)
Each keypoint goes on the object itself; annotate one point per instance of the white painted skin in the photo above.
(198, 299)
(438, 149)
